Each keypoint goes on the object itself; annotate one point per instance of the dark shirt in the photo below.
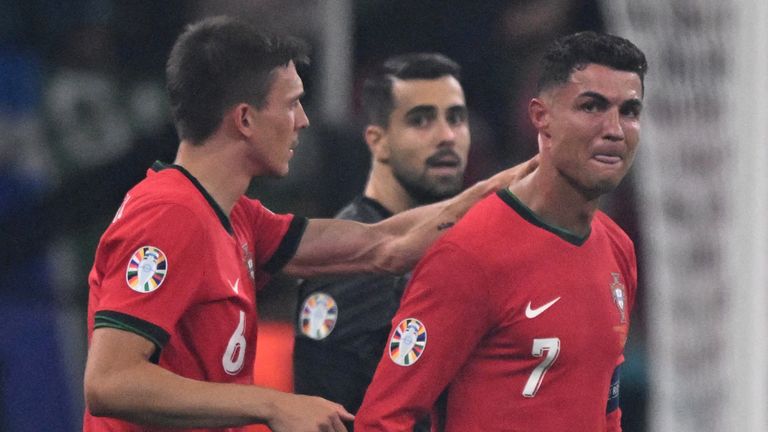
(349, 330)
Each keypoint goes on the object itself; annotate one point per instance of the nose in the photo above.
(612, 126)
(446, 133)
(302, 121)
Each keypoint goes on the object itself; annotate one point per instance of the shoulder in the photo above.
(460, 253)
(615, 233)
(620, 243)
(250, 207)
(252, 214)
(161, 203)
(482, 220)
(166, 188)
(363, 209)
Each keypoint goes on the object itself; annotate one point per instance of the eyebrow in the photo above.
(457, 108)
(634, 102)
(594, 95)
(421, 110)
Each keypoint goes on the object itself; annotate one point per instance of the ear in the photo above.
(242, 118)
(376, 139)
(538, 111)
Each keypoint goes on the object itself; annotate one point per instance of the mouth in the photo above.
(609, 159)
(447, 159)
(444, 166)
(608, 154)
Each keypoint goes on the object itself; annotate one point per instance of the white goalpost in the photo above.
(702, 181)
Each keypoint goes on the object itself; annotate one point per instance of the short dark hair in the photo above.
(378, 100)
(218, 62)
(576, 51)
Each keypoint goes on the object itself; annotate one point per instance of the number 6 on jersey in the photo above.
(552, 348)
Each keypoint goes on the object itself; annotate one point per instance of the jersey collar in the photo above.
(526, 213)
(159, 166)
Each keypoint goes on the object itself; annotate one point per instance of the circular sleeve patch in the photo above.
(146, 269)
(318, 316)
(408, 341)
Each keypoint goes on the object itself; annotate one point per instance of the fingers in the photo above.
(344, 414)
(531, 165)
(525, 168)
(338, 426)
(520, 171)
(310, 414)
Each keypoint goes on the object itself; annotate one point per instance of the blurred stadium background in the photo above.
(83, 114)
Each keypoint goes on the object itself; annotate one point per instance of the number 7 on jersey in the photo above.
(552, 348)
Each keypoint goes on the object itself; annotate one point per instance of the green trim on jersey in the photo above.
(147, 330)
(526, 213)
(223, 218)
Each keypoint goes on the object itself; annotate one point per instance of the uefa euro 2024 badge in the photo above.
(408, 341)
(318, 316)
(146, 269)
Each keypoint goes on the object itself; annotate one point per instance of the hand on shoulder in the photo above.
(507, 177)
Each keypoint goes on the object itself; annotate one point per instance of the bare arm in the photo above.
(394, 245)
(121, 382)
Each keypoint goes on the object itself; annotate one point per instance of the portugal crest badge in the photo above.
(146, 269)
(619, 295)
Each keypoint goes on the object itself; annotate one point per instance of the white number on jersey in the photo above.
(552, 347)
(234, 356)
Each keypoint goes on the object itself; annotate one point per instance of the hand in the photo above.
(509, 176)
(513, 175)
(298, 413)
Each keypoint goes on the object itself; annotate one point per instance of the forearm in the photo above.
(335, 247)
(340, 247)
(120, 382)
(148, 394)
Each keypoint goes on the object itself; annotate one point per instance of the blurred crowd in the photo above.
(83, 115)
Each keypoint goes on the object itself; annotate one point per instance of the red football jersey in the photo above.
(516, 325)
(174, 269)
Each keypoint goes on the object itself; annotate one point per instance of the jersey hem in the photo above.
(288, 246)
(145, 329)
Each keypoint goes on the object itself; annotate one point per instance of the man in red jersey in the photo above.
(172, 316)
(516, 319)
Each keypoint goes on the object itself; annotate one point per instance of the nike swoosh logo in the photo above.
(533, 313)
(234, 287)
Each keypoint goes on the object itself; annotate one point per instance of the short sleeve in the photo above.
(149, 266)
(443, 315)
(275, 237)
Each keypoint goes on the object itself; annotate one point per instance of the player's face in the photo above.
(592, 127)
(278, 123)
(428, 137)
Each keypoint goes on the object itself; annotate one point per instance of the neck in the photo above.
(217, 168)
(383, 187)
(556, 201)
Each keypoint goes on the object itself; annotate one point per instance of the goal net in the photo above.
(702, 183)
